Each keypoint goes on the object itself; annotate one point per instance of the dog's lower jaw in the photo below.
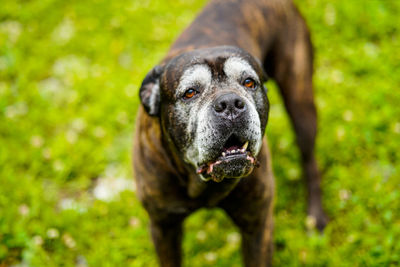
(231, 165)
(219, 177)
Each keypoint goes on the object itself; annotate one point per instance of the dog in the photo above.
(199, 139)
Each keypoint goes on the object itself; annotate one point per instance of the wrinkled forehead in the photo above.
(202, 74)
(205, 65)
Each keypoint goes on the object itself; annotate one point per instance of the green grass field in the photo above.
(69, 78)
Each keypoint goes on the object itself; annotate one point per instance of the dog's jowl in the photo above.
(199, 138)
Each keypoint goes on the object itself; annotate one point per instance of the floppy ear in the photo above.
(150, 91)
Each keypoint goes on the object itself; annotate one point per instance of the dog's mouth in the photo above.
(235, 161)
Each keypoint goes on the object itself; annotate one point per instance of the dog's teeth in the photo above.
(244, 147)
(223, 154)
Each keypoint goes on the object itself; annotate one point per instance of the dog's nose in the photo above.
(229, 106)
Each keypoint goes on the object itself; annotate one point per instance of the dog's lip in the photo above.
(233, 152)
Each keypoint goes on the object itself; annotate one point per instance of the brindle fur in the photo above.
(274, 33)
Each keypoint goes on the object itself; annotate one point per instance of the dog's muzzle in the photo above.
(232, 157)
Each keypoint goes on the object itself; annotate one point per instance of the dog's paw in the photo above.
(316, 220)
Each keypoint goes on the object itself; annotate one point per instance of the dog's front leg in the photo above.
(257, 242)
(250, 205)
(167, 238)
(256, 225)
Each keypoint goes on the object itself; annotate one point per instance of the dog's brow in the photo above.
(197, 74)
(234, 67)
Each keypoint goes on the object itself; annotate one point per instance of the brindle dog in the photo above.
(199, 135)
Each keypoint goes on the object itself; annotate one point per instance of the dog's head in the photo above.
(213, 108)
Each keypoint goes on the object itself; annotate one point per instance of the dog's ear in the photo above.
(150, 91)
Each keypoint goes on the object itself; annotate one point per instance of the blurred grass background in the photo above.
(69, 77)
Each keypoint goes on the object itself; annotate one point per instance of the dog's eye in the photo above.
(249, 83)
(189, 93)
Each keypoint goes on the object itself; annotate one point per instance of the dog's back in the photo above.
(249, 24)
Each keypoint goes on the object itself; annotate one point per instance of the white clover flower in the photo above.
(68, 241)
(371, 50)
(58, 165)
(12, 29)
(16, 110)
(71, 136)
(37, 141)
(130, 90)
(396, 127)
(37, 240)
(109, 188)
(52, 233)
(78, 124)
(311, 222)
(51, 87)
(122, 117)
(46, 153)
(201, 235)
(99, 132)
(337, 76)
(71, 68)
(344, 194)
(23, 210)
(340, 133)
(330, 15)
(63, 32)
(348, 115)
(233, 238)
(210, 256)
(134, 222)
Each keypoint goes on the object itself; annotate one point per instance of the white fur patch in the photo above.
(155, 92)
(196, 75)
(235, 68)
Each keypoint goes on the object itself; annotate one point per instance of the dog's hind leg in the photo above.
(291, 65)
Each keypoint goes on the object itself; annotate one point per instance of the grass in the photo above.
(69, 77)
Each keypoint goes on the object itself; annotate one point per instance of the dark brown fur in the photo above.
(274, 33)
